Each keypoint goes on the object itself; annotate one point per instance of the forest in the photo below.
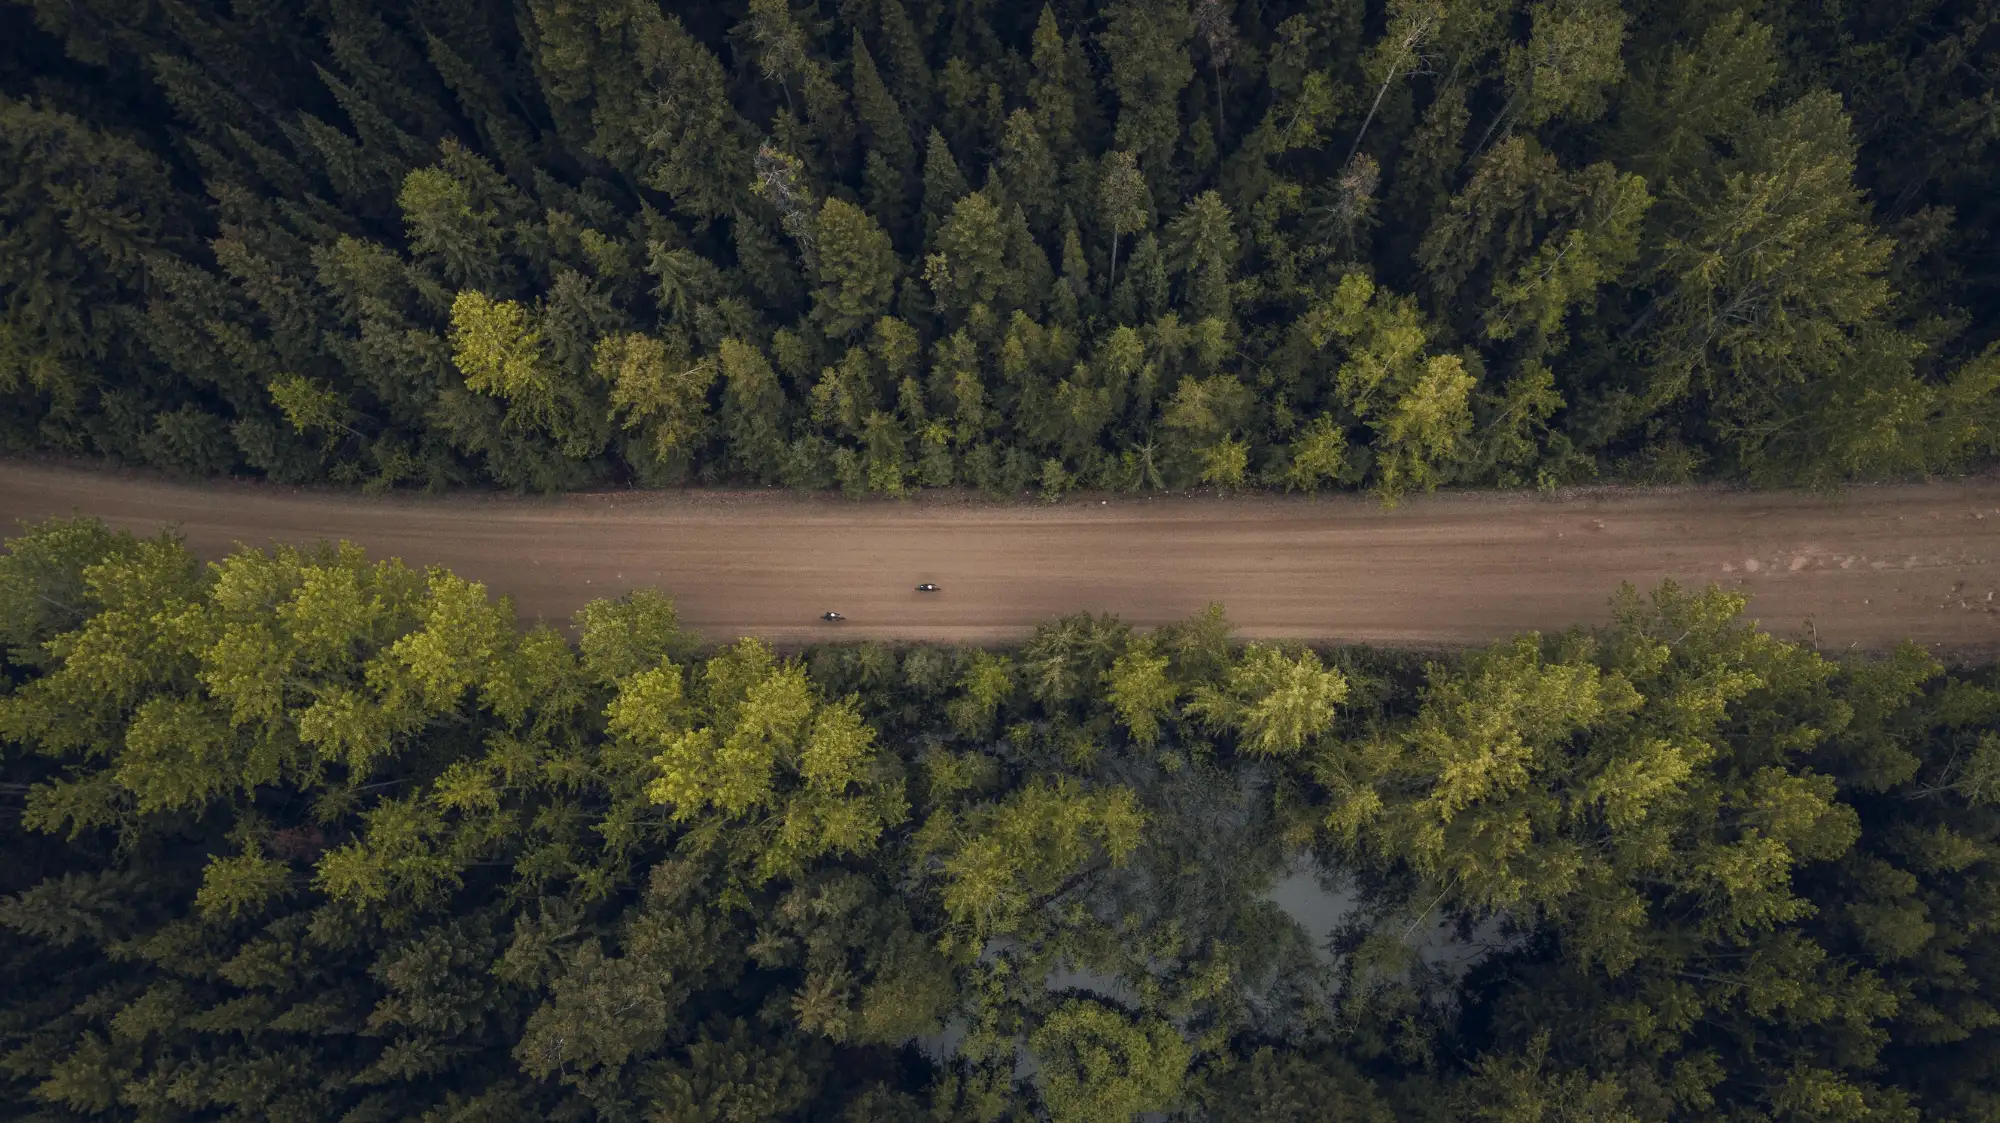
(306, 835)
(882, 245)
(300, 835)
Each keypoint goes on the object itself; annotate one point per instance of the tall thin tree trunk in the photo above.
(1221, 120)
(1412, 39)
(1505, 112)
(1370, 119)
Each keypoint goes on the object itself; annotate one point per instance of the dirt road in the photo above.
(1869, 567)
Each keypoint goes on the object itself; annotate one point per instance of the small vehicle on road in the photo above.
(831, 616)
(927, 587)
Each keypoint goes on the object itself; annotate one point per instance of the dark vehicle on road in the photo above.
(927, 587)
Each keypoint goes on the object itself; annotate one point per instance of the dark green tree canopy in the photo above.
(1743, 240)
(299, 835)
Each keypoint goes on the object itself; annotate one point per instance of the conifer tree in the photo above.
(858, 269)
(207, 203)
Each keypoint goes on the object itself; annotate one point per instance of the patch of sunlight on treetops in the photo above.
(899, 244)
(303, 835)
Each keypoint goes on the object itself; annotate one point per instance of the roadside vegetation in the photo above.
(305, 836)
(891, 244)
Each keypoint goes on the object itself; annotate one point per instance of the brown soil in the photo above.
(1863, 568)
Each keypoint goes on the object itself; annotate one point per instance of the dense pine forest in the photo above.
(891, 244)
(307, 836)
(299, 836)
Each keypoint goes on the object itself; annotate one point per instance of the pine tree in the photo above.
(659, 389)
(903, 51)
(1418, 404)
(858, 269)
(500, 353)
(1413, 24)
(1057, 84)
(944, 185)
(1027, 167)
(1147, 42)
(1029, 275)
(1103, 1067)
(969, 266)
(1217, 30)
(1123, 203)
(752, 407)
(1201, 243)
(1569, 62)
(79, 228)
(1727, 273)
(881, 120)
(1700, 94)
(460, 215)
